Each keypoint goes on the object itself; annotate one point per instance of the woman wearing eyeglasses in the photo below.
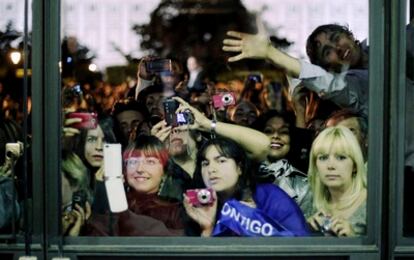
(145, 162)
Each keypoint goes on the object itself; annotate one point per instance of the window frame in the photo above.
(399, 244)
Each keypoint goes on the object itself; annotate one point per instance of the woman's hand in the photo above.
(205, 216)
(254, 46)
(161, 130)
(341, 227)
(201, 122)
(67, 129)
(142, 69)
(316, 220)
(72, 222)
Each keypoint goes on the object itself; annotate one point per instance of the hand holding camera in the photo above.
(326, 226)
(87, 120)
(13, 152)
(149, 66)
(74, 219)
(175, 118)
(199, 121)
(74, 121)
(142, 69)
(321, 222)
(201, 206)
(330, 225)
(200, 197)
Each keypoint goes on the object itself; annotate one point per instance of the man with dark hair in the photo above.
(332, 46)
(128, 114)
(339, 72)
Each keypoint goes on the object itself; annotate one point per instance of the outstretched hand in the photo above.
(255, 46)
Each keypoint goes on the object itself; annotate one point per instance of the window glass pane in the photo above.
(409, 163)
(237, 137)
(15, 133)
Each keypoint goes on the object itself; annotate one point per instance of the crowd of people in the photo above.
(251, 156)
(204, 158)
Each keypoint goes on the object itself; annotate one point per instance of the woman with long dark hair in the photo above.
(237, 206)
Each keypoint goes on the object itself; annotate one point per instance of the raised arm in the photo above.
(258, 46)
(255, 143)
(346, 89)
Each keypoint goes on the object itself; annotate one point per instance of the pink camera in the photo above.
(200, 197)
(224, 100)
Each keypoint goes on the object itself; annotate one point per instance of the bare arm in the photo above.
(255, 143)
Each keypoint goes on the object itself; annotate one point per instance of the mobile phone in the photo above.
(158, 65)
(170, 106)
(79, 197)
(113, 178)
(89, 120)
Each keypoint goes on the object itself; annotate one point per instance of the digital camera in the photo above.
(79, 197)
(158, 65)
(89, 120)
(200, 197)
(224, 100)
(326, 226)
(184, 118)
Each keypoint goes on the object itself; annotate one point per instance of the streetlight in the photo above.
(15, 57)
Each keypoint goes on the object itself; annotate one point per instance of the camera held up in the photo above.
(200, 197)
(224, 100)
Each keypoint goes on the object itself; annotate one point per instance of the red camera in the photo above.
(89, 120)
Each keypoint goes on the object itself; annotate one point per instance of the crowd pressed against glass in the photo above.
(250, 156)
(205, 158)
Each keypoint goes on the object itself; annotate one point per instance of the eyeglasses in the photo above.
(147, 161)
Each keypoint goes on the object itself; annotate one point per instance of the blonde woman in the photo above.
(337, 176)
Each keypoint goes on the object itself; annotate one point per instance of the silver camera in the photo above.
(326, 226)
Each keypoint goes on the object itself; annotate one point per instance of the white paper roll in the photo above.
(113, 178)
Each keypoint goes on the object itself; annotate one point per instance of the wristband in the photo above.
(213, 127)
